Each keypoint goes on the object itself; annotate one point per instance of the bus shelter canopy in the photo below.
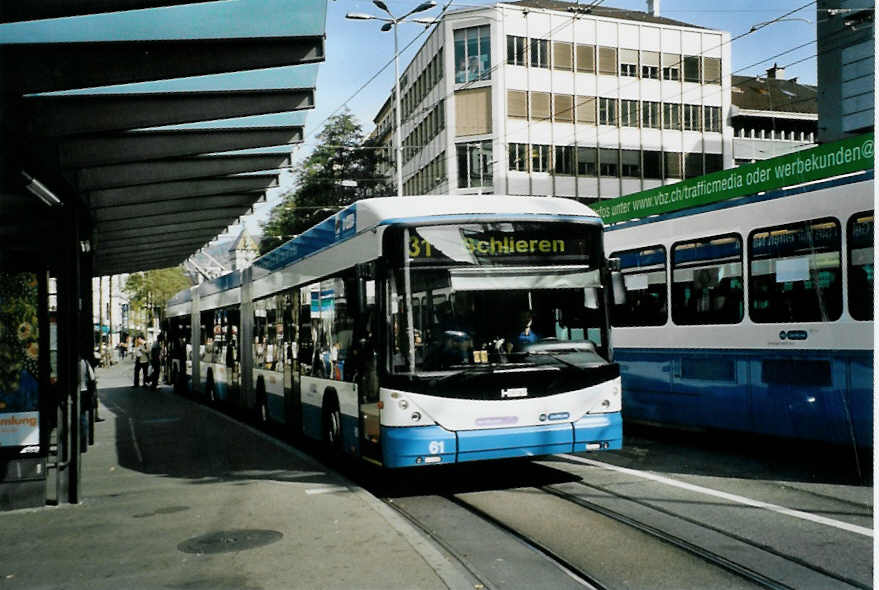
(150, 125)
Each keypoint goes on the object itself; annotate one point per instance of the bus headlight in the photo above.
(416, 416)
(404, 405)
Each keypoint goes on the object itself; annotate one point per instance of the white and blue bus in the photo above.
(752, 315)
(418, 330)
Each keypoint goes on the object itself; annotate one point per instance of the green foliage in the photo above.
(19, 335)
(153, 288)
(341, 155)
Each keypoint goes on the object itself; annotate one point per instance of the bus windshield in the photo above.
(512, 296)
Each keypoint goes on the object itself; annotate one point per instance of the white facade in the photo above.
(464, 129)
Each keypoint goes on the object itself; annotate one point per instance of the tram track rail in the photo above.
(577, 575)
(701, 552)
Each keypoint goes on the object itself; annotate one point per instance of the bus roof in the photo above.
(371, 213)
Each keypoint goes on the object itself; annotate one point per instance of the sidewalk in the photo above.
(176, 495)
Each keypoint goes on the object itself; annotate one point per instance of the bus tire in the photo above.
(332, 425)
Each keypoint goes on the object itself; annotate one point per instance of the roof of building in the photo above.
(762, 93)
(606, 11)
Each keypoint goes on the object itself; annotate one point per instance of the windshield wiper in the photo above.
(558, 358)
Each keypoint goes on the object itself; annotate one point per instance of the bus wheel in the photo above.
(332, 426)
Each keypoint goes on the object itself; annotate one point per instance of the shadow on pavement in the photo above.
(160, 433)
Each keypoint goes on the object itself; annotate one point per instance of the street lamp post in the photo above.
(391, 23)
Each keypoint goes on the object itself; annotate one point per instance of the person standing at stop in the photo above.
(141, 362)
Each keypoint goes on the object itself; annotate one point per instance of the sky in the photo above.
(357, 51)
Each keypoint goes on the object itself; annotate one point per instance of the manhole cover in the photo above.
(228, 541)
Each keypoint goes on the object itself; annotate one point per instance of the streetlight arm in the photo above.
(420, 8)
(360, 16)
(382, 6)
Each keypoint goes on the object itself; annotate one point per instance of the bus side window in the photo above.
(707, 286)
(796, 272)
(860, 266)
(644, 275)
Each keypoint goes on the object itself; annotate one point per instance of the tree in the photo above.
(153, 289)
(341, 169)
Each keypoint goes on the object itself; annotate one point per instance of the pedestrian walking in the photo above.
(156, 361)
(141, 361)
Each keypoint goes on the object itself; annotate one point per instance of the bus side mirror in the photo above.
(616, 280)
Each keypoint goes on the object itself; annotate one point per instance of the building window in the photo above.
(516, 50)
(628, 63)
(650, 65)
(691, 117)
(586, 59)
(711, 118)
(607, 111)
(691, 69)
(586, 110)
(713, 163)
(672, 165)
(540, 158)
(796, 272)
(473, 111)
(472, 54)
(608, 162)
(693, 165)
(650, 114)
(711, 70)
(562, 56)
(707, 286)
(563, 107)
(629, 113)
(671, 66)
(630, 163)
(517, 104)
(539, 53)
(564, 159)
(671, 116)
(519, 156)
(474, 164)
(652, 164)
(607, 61)
(540, 110)
(587, 161)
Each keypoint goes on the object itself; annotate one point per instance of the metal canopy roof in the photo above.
(165, 124)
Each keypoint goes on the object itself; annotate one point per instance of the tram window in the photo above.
(860, 266)
(796, 273)
(644, 276)
(707, 286)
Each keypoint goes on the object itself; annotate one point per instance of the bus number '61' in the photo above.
(437, 447)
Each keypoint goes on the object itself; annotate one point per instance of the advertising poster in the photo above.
(19, 360)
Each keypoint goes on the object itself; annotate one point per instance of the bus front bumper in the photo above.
(432, 445)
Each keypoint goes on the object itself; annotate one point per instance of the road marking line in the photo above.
(852, 528)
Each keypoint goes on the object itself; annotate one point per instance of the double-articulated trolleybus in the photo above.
(753, 315)
(418, 330)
